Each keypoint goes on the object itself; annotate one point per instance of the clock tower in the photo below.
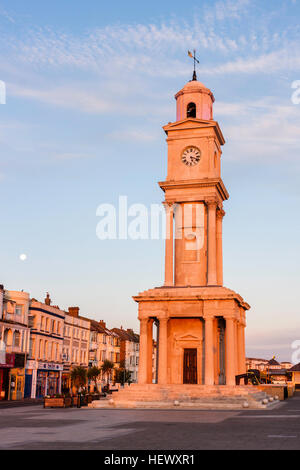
(200, 323)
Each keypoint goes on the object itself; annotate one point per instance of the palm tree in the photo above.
(123, 375)
(107, 367)
(78, 377)
(92, 374)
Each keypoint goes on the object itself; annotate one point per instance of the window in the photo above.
(41, 349)
(18, 309)
(46, 350)
(8, 337)
(31, 321)
(17, 338)
(191, 110)
(31, 347)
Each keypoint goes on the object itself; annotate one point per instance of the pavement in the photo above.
(17, 403)
(33, 427)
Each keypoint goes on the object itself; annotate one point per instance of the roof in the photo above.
(194, 86)
(49, 309)
(273, 362)
(256, 359)
(95, 326)
(277, 372)
(78, 316)
(295, 368)
(126, 335)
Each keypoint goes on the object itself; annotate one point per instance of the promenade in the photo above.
(33, 427)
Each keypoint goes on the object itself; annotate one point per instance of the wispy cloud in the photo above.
(66, 96)
(261, 129)
(284, 59)
(118, 69)
(153, 49)
(227, 8)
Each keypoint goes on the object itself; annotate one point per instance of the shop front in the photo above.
(66, 380)
(5, 368)
(42, 379)
(17, 378)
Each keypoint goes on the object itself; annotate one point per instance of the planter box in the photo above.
(64, 402)
(74, 401)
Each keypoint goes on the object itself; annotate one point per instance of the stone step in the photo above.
(209, 405)
(160, 396)
(189, 396)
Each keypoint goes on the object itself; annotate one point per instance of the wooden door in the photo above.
(190, 366)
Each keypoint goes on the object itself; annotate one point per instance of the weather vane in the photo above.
(195, 60)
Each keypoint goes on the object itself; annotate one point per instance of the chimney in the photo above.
(47, 299)
(74, 311)
(102, 323)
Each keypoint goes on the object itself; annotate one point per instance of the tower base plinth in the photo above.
(196, 397)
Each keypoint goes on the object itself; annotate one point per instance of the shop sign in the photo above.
(9, 361)
(50, 366)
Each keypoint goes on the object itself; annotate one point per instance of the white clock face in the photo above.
(191, 156)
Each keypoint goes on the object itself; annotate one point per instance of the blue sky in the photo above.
(89, 86)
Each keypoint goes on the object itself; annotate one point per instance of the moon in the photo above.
(23, 257)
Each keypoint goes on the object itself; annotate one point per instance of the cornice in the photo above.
(191, 294)
(203, 183)
(177, 125)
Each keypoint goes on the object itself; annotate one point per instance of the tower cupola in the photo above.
(194, 101)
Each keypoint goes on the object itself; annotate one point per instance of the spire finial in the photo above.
(193, 56)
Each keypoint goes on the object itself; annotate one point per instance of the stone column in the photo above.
(149, 350)
(230, 351)
(143, 351)
(220, 215)
(169, 252)
(34, 381)
(162, 351)
(209, 351)
(241, 348)
(212, 243)
(59, 381)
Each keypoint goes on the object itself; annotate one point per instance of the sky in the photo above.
(89, 86)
